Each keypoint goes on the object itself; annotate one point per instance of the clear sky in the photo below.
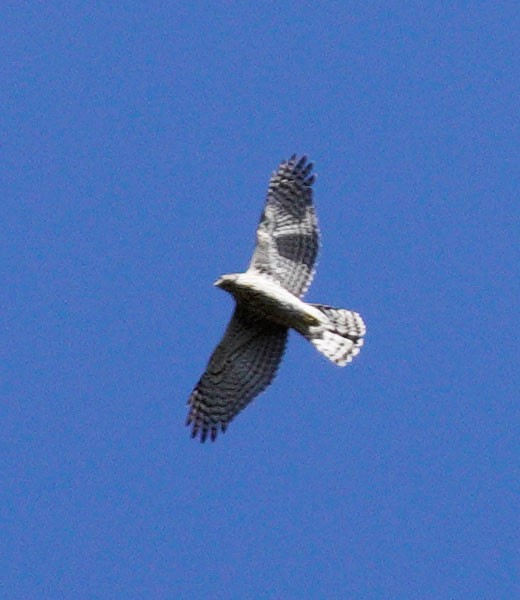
(137, 140)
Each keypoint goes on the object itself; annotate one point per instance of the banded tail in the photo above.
(339, 339)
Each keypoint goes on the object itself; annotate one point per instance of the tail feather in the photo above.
(340, 337)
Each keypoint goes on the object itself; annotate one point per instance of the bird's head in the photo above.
(226, 282)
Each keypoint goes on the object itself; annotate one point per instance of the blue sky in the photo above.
(137, 143)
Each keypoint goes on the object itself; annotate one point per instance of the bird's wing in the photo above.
(288, 235)
(242, 365)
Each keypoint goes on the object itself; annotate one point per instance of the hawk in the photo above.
(268, 302)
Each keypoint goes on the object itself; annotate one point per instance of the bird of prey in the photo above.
(268, 302)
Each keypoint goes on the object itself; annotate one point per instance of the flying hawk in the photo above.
(268, 299)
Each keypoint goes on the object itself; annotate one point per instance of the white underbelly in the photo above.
(275, 303)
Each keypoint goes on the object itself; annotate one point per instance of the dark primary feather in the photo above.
(288, 235)
(243, 365)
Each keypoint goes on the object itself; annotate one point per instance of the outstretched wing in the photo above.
(242, 365)
(288, 235)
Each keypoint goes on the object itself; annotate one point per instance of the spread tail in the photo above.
(340, 337)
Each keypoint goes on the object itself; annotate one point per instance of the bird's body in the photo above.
(269, 302)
